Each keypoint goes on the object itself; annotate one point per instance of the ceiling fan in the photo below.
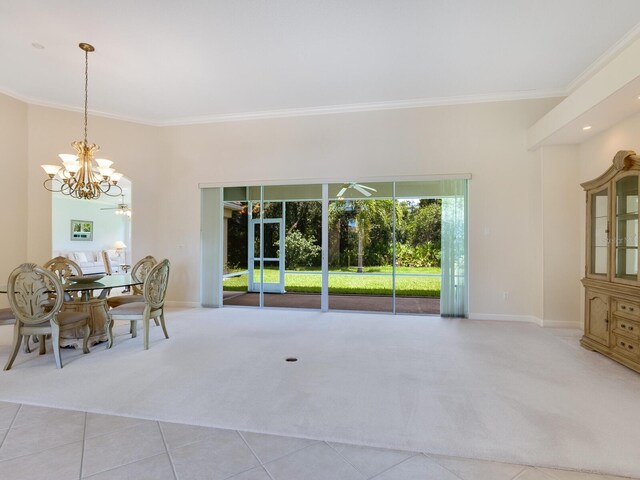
(121, 208)
(363, 189)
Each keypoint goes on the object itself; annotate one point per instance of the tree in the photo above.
(425, 223)
(374, 221)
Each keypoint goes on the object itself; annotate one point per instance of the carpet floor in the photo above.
(489, 390)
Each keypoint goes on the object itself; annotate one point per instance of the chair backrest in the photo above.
(28, 291)
(63, 268)
(140, 271)
(155, 285)
(107, 263)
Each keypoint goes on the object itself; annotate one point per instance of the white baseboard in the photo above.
(177, 303)
(527, 319)
(561, 324)
(499, 317)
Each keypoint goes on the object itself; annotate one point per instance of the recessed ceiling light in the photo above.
(37, 45)
(588, 127)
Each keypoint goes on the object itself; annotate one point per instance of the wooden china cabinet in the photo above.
(611, 282)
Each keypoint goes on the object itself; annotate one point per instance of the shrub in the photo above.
(424, 255)
(300, 251)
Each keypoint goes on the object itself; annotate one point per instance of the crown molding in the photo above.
(367, 107)
(303, 112)
(37, 102)
(604, 59)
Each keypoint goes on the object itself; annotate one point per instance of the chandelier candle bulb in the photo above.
(79, 177)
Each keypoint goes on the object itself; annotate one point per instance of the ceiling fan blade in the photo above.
(362, 190)
(368, 188)
(341, 192)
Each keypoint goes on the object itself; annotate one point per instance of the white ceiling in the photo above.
(167, 61)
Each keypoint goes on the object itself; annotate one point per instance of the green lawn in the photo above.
(347, 281)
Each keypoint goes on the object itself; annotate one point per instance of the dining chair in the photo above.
(64, 268)
(153, 292)
(28, 291)
(139, 272)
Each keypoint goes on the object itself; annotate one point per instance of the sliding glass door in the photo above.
(393, 247)
(361, 223)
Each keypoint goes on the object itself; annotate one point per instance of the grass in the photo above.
(347, 281)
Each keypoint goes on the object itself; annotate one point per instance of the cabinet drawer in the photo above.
(624, 346)
(626, 327)
(627, 309)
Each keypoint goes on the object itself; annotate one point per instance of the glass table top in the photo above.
(109, 281)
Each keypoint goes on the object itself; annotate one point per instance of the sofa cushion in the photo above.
(81, 257)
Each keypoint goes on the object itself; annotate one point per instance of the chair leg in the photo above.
(110, 323)
(146, 332)
(43, 344)
(27, 348)
(164, 327)
(134, 328)
(157, 322)
(55, 343)
(85, 343)
(17, 340)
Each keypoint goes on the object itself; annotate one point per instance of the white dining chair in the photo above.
(153, 292)
(28, 291)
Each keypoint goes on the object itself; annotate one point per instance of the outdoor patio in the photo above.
(362, 303)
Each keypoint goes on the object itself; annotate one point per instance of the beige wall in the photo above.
(562, 198)
(486, 140)
(13, 180)
(507, 193)
(137, 150)
(597, 153)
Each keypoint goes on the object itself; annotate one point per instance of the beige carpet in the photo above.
(502, 391)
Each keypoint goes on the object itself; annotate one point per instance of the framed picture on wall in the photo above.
(82, 230)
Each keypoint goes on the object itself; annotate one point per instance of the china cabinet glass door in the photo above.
(626, 244)
(599, 232)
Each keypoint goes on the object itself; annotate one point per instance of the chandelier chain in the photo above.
(86, 91)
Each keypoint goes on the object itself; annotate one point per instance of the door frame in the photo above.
(253, 286)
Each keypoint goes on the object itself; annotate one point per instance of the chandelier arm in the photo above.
(51, 182)
(66, 188)
(111, 186)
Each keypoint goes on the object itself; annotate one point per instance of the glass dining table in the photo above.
(89, 302)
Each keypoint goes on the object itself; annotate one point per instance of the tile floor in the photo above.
(48, 443)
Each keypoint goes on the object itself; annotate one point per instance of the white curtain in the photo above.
(453, 296)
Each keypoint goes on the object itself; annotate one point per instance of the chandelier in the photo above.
(78, 176)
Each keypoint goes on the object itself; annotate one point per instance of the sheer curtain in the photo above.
(453, 296)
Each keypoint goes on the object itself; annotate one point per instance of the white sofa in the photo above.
(91, 261)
